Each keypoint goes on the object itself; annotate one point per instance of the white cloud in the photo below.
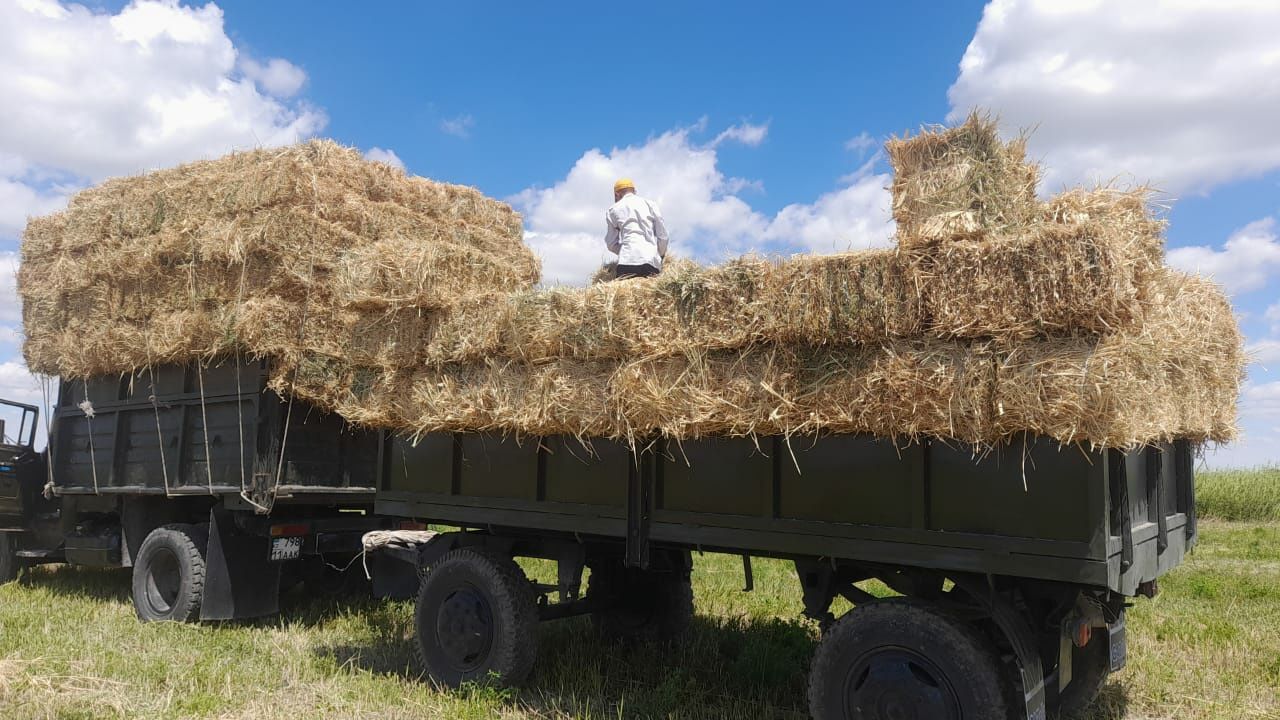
(19, 385)
(1265, 352)
(1182, 94)
(10, 308)
(1261, 400)
(746, 133)
(1248, 261)
(1272, 315)
(459, 126)
(20, 200)
(383, 155)
(277, 76)
(91, 94)
(860, 143)
(706, 217)
(851, 218)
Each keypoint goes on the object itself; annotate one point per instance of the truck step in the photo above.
(38, 554)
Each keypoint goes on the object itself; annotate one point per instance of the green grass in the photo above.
(1208, 646)
(1239, 494)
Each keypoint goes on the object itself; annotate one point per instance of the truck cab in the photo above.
(26, 515)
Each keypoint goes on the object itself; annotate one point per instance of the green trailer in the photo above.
(1012, 567)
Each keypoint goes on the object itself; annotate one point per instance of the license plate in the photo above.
(1119, 648)
(286, 548)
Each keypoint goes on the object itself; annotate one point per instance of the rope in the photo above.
(155, 407)
(244, 478)
(204, 420)
(204, 415)
(87, 408)
(47, 491)
(288, 416)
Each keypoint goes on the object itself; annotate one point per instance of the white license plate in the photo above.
(286, 548)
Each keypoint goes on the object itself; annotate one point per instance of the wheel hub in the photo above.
(163, 579)
(464, 628)
(897, 684)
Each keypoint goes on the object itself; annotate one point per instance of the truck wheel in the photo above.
(901, 659)
(640, 604)
(168, 574)
(10, 565)
(1090, 666)
(476, 620)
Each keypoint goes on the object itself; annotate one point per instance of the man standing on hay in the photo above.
(635, 232)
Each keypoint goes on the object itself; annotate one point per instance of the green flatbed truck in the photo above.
(215, 492)
(1012, 569)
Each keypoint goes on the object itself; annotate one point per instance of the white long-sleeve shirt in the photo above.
(636, 232)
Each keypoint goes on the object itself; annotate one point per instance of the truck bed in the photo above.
(215, 430)
(1031, 508)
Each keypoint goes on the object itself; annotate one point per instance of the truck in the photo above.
(1010, 569)
(212, 489)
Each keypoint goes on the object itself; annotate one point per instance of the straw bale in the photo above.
(851, 297)
(961, 181)
(410, 305)
(186, 261)
(1175, 374)
(1044, 280)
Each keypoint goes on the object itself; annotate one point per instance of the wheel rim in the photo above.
(898, 684)
(464, 629)
(164, 578)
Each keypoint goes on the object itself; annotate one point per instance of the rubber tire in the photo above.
(187, 545)
(1090, 668)
(10, 564)
(642, 605)
(966, 658)
(512, 603)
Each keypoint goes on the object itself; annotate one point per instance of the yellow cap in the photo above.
(624, 184)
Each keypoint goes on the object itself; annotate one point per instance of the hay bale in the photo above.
(403, 304)
(257, 251)
(1047, 279)
(1175, 374)
(851, 297)
(960, 182)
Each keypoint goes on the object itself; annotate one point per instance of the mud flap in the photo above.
(240, 579)
(393, 578)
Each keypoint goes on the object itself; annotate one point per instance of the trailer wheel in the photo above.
(10, 564)
(476, 620)
(168, 574)
(901, 659)
(1090, 667)
(640, 604)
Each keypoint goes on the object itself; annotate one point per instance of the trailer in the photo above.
(215, 491)
(1012, 568)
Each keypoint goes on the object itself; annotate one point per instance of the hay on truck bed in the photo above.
(223, 255)
(1173, 375)
(404, 304)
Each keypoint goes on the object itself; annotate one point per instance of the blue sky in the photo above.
(757, 125)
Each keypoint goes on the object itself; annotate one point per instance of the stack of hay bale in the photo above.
(409, 305)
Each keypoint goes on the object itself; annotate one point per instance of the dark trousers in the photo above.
(634, 271)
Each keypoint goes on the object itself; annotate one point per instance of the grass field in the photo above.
(1208, 646)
